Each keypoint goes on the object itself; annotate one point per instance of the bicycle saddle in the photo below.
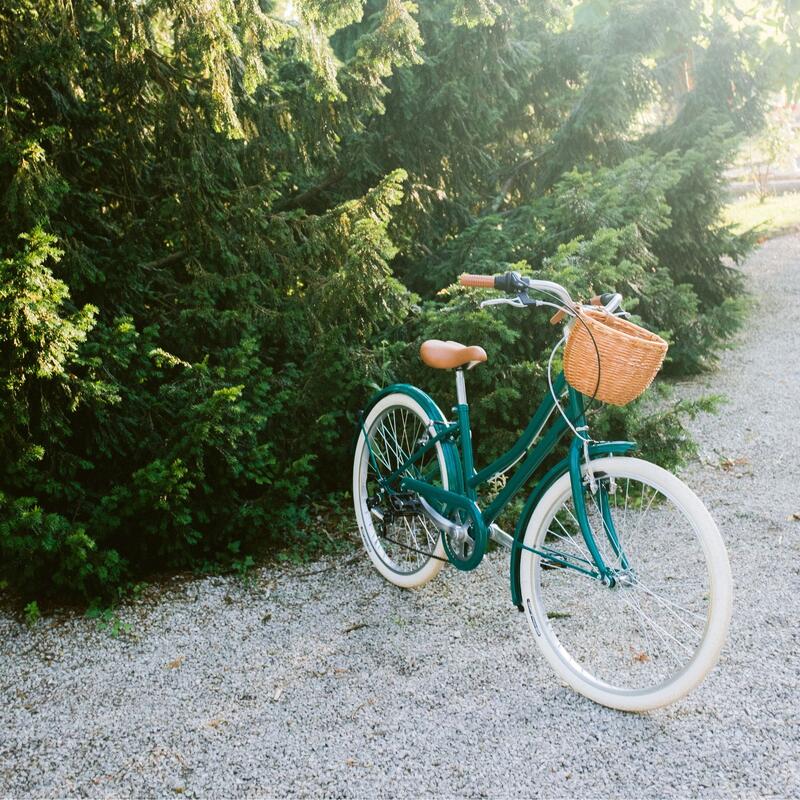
(447, 355)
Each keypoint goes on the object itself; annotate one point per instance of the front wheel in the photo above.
(655, 633)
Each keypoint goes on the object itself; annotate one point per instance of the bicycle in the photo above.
(619, 567)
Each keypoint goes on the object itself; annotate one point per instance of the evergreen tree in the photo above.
(210, 213)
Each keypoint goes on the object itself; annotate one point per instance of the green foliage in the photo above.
(32, 613)
(213, 217)
(659, 432)
(175, 362)
(108, 621)
(775, 24)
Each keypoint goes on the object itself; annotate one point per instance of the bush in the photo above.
(214, 217)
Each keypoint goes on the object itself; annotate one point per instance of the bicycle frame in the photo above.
(463, 495)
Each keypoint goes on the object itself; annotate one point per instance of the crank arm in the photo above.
(458, 532)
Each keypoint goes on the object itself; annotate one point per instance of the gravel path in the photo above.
(332, 682)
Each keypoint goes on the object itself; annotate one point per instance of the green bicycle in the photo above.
(619, 567)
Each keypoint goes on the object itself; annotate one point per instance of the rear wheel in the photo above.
(404, 545)
(653, 635)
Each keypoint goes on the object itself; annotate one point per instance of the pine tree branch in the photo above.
(165, 261)
(299, 200)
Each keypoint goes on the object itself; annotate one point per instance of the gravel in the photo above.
(327, 681)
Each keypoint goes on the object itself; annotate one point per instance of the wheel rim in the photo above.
(647, 630)
(404, 543)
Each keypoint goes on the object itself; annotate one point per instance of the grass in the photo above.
(777, 215)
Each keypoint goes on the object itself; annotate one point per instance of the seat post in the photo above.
(462, 413)
(461, 387)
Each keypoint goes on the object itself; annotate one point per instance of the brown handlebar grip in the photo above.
(484, 281)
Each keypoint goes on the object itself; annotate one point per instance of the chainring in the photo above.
(466, 554)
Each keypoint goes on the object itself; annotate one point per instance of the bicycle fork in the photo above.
(597, 489)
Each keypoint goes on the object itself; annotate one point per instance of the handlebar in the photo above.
(513, 282)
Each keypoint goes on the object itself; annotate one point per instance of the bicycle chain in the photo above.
(409, 547)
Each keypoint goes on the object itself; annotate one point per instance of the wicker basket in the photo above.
(629, 359)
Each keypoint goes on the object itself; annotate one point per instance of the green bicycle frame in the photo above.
(462, 493)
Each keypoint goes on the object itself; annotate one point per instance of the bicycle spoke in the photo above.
(652, 651)
(664, 634)
(412, 538)
(432, 537)
(380, 455)
(394, 444)
(669, 605)
(569, 539)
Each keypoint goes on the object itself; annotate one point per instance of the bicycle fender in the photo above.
(449, 450)
(552, 475)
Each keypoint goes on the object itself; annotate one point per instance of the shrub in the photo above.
(213, 217)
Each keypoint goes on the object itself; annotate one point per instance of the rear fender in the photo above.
(452, 461)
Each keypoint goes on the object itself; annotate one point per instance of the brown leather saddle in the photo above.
(449, 355)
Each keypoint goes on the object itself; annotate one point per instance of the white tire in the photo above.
(655, 635)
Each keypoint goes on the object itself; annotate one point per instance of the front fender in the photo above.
(595, 451)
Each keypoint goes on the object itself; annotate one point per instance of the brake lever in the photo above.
(503, 301)
(520, 301)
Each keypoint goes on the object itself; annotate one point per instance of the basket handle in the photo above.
(559, 315)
